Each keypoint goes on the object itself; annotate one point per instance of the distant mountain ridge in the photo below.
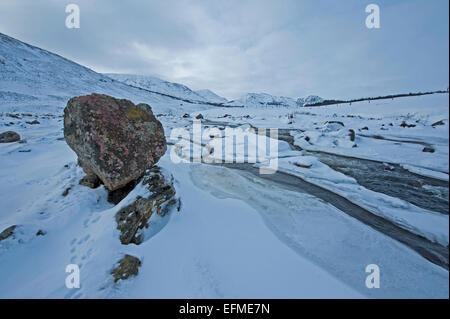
(28, 73)
(264, 99)
(183, 92)
(158, 85)
(211, 96)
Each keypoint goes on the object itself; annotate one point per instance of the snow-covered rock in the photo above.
(310, 99)
(133, 219)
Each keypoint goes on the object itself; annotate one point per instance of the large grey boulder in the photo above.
(113, 138)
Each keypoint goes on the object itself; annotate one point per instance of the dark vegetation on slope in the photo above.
(385, 97)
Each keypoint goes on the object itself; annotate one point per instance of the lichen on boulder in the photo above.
(113, 138)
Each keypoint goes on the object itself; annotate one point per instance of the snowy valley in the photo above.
(356, 184)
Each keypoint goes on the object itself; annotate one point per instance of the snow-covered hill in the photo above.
(211, 96)
(262, 99)
(171, 89)
(311, 99)
(33, 79)
(30, 71)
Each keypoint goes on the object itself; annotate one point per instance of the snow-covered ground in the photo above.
(236, 234)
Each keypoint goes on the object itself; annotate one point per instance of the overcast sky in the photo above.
(292, 48)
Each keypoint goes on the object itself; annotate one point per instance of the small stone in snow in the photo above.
(8, 232)
(428, 149)
(438, 123)
(128, 266)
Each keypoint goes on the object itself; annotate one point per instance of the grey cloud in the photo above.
(291, 48)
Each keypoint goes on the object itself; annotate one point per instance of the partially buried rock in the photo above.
(128, 266)
(352, 134)
(9, 137)
(90, 180)
(404, 124)
(41, 232)
(333, 126)
(113, 138)
(66, 191)
(428, 149)
(303, 165)
(132, 219)
(335, 122)
(441, 122)
(8, 232)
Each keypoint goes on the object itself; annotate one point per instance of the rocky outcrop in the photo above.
(113, 138)
(132, 219)
(128, 266)
(9, 137)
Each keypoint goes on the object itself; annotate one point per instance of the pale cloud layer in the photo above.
(288, 47)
